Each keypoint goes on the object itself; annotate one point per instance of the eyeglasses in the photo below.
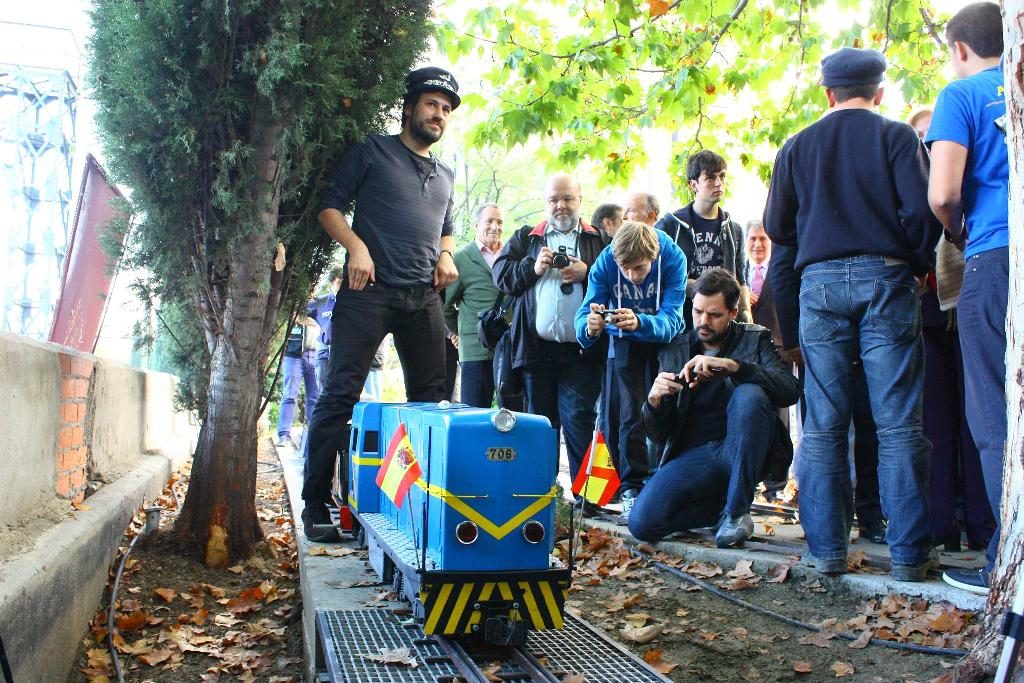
(562, 199)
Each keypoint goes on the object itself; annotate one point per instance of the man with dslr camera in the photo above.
(713, 409)
(545, 268)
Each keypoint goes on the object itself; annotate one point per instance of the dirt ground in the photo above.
(693, 635)
(177, 620)
(180, 621)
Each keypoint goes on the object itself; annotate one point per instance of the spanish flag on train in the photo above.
(400, 470)
(597, 479)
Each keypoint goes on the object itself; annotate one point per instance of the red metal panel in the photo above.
(87, 272)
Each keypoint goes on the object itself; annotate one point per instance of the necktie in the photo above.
(758, 282)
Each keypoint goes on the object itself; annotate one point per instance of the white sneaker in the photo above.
(628, 499)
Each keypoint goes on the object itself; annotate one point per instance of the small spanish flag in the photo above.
(399, 471)
(597, 480)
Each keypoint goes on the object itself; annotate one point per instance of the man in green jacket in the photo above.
(472, 292)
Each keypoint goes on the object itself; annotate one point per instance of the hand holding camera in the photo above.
(543, 262)
(700, 369)
(600, 317)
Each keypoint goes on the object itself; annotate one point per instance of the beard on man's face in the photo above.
(709, 336)
(421, 131)
(564, 223)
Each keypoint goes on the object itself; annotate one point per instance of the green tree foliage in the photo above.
(224, 118)
(735, 75)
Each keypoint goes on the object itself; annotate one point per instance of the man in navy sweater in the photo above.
(850, 192)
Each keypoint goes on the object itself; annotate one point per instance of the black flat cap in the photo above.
(433, 79)
(852, 66)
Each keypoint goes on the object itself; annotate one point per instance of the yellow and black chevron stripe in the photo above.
(449, 605)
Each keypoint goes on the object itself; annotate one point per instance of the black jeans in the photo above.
(477, 386)
(634, 368)
(564, 387)
(360, 321)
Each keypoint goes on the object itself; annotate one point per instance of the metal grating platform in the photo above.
(346, 635)
(576, 648)
(393, 538)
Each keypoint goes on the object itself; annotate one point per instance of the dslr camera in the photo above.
(561, 259)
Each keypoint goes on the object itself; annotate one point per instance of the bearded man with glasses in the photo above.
(545, 267)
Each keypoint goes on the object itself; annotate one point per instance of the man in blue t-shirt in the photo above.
(968, 190)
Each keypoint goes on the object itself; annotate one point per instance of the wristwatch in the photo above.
(957, 241)
(447, 251)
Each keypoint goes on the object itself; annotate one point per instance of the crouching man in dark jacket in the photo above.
(713, 409)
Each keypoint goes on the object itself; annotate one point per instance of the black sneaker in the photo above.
(973, 580)
(873, 531)
(317, 524)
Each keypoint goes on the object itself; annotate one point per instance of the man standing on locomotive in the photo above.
(545, 268)
(399, 254)
(713, 407)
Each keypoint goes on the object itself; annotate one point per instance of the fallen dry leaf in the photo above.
(702, 570)
(330, 552)
(166, 594)
(133, 621)
(855, 560)
(237, 569)
(156, 657)
(842, 669)
(352, 584)
(743, 570)
(643, 634)
(80, 506)
(802, 667)
(819, 639)
(779, 573)
(862, 641)
(574, 678)
(400, 655)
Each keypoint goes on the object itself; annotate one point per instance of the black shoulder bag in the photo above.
(492, 323)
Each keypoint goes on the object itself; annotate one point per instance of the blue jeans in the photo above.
(982, 319)
(563, 387)
(694, 488)
(866, 308)
(295, 370)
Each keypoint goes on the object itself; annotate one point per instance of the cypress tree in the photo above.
(224, 117)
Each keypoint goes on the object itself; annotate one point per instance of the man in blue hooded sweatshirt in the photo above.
(635, 290)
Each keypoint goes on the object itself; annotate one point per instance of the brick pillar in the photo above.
(72, 450)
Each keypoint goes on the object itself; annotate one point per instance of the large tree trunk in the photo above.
(984, 658)
(219, 514)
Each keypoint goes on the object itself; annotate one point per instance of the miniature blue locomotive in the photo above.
(470, 546)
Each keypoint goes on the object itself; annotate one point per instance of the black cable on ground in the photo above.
(910, 647)
(110, 609)
(5, 665)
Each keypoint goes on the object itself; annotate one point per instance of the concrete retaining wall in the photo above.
(69, 418)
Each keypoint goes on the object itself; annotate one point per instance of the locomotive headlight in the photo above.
(467, 532)
(503, 420)
(533, 531)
